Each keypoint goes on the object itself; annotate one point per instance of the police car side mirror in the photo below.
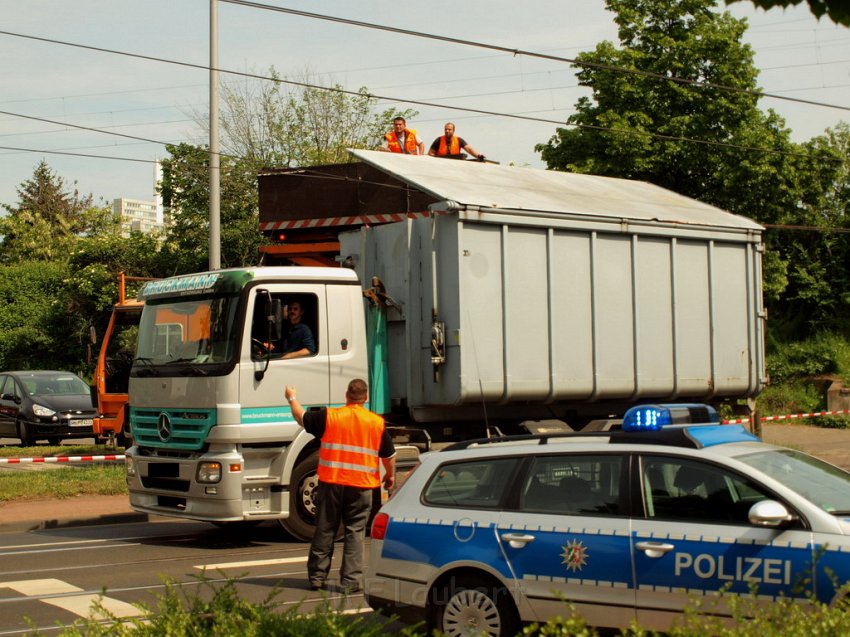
(769, 513)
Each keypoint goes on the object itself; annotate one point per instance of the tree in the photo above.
(818, 254)
(274, 124)
(46, 220)
(640, 125)
(837, 10)
(185, 192)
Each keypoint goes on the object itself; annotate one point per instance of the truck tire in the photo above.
(25, 434)
(303, 486)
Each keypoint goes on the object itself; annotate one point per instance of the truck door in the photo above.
(298, 356)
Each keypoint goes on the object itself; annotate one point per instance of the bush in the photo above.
(824, 354)
(217, 609)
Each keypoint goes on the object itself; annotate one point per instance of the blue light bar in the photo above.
(654, 417)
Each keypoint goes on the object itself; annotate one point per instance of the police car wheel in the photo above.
(474, 606)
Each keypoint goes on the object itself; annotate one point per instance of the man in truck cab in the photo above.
(352, 441)
(299, 341)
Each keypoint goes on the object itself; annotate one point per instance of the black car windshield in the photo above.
(55, 385)
(187, 332)
(819, 482)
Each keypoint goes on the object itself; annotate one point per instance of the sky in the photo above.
(797, 55)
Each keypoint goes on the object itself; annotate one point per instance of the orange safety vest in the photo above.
(410, 145)
(453, 150)
(349, 451)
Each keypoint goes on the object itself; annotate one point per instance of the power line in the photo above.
(392, 99)
(64, 152)
(522, 52)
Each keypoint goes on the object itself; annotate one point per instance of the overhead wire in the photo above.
(392, 99)
(525, 53)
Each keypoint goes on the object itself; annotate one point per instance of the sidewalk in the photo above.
(29, 515)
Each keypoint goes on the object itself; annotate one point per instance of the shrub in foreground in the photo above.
(217, 609)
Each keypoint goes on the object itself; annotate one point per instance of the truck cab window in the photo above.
(299, 335)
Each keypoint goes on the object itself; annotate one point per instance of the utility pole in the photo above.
(215, 167)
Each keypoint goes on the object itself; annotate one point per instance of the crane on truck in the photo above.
(517, 294)
(111, 377)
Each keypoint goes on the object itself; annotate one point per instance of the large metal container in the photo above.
(627, 293)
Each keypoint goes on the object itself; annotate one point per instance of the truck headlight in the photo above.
(130, 465)
(41, 410)
(209, 472)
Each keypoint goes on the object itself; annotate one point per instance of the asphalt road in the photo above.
(54, 575)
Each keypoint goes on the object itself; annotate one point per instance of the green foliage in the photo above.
(217, 609)
(35, 330)
(59, 482)
(837, 10)
(185, 191)
(823, 354)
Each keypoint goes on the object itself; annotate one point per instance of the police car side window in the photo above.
(573, 485)
(678, 488)
(479, 483)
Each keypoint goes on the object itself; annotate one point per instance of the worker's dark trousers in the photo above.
(349, 506)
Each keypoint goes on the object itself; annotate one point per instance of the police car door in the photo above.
(696, 540)
(568, 539)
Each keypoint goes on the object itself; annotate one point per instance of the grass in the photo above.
(54, 481)
(51, 482)
(55, 450)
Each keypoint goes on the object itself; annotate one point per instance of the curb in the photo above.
(36, 525)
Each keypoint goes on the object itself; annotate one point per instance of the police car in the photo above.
(626, 525)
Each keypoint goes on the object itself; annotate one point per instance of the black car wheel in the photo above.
(54, 440)
(25, 434)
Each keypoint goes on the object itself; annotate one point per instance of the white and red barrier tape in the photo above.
(342, 221)
(744, 421)
(61, 459)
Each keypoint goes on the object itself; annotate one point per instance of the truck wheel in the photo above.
(468, 604)
(303, 487)
(25, 434)
(302, 499)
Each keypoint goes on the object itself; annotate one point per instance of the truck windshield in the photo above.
(191, 334)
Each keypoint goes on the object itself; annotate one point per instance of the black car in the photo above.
(51, 405)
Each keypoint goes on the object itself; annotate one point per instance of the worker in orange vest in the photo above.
(353, 439)
(402, 139)
(450, 145)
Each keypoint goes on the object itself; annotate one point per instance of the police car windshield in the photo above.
(822, 484)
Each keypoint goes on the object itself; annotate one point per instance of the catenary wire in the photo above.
(521, 52)
(406, 101)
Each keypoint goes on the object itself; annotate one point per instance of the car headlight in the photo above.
(130, 465)
(209, 472)
(41, 410)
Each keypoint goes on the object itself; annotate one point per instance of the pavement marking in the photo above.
(282, 560)
(35, 587)
(83, 605)
(71, 598)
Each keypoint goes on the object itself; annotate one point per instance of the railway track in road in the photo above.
(58, 574)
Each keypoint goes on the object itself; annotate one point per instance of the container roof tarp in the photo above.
(472, 184)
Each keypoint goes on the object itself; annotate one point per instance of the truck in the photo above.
(515, 297)
(111, 377)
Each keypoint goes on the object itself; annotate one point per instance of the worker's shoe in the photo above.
(317, 586)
